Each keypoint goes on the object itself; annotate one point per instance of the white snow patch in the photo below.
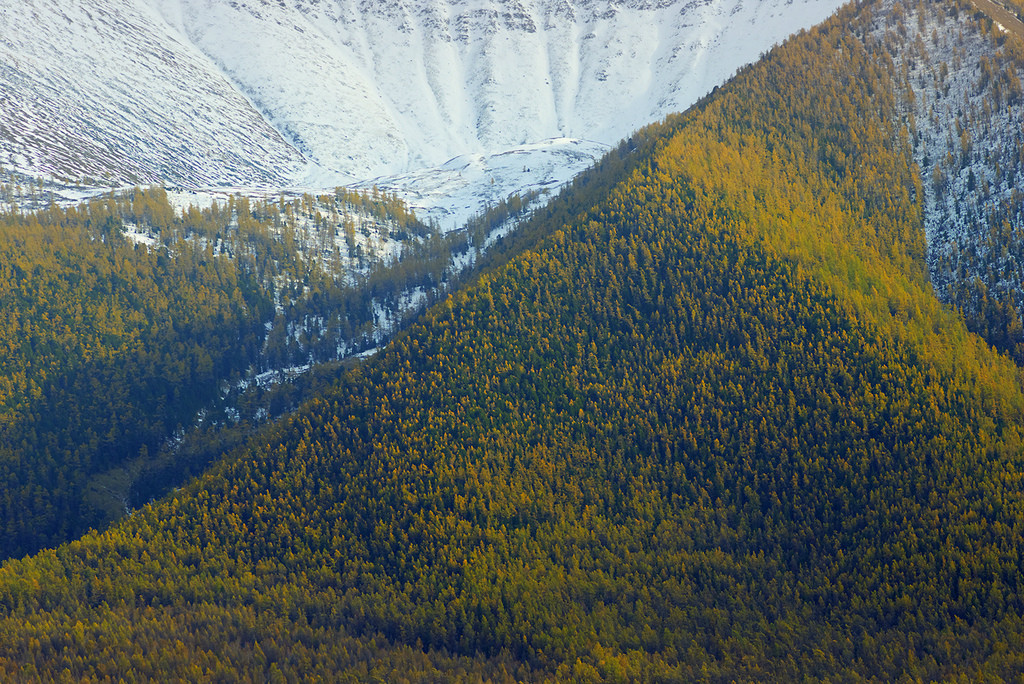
(462, 187)
(139, 235)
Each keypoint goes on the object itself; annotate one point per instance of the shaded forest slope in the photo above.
(715, 426)
(125, 326)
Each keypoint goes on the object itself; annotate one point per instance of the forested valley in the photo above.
(703, 417)
(138, 341)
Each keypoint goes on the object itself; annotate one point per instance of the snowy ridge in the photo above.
(318, 93)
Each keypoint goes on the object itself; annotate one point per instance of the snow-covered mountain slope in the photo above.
(204, 92)
(454, 192)
(107, 91)
(964, 100)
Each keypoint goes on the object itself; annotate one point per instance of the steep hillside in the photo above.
(107, 348)
(392, 86)
(716, 426)
(318, 94)
(108, 92)
(962, 76)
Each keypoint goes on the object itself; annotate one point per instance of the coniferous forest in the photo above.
(113, 346)
(701, 418)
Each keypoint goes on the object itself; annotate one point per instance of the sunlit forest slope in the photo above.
(702, 419)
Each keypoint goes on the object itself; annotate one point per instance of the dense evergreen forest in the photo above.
(108, 348)
(702, 419)
(124, 324)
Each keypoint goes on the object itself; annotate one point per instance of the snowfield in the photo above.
(452, 103)
(452, 193)
(107, 92)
